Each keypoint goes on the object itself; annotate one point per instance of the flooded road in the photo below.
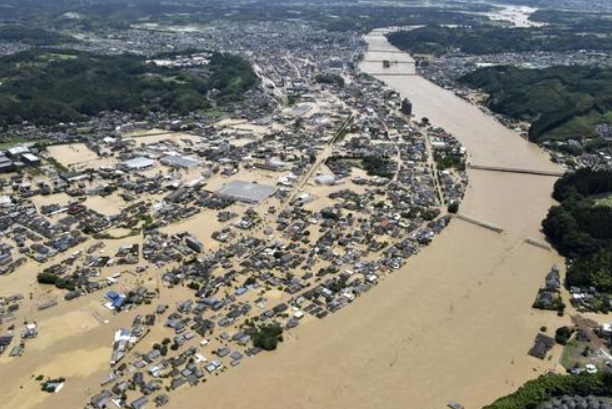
(454, 324)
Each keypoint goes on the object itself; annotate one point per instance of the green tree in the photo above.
(562, 335)
(268, 336)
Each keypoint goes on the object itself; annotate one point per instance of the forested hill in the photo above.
(491, 40)
(46, 87)
(33, 36)
(581, 227)
(562, 102)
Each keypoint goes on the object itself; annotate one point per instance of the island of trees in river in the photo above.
(46, 87)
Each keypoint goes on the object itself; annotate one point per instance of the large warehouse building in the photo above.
(138, 163)
(179, 162)
(246, 191)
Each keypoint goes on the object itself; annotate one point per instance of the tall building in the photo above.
(406, 107)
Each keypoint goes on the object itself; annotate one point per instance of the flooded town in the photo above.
(201, 230)
(356, 212)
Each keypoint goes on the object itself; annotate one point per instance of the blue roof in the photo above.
(118, 302)
(241, 290)
(111, 295)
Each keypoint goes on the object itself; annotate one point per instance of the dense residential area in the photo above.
(224, 228)
(344, 197)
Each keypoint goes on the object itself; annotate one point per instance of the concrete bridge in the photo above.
(392, 62)
(480, 223)
(393, 74)
(517, 170)
(385, 51)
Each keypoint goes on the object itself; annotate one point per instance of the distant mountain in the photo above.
(33, 36)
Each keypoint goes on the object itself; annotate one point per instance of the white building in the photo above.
(138, 163)
(325, 180)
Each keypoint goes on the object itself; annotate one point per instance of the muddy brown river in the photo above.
(455, 323)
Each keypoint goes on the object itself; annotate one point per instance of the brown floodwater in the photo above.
(455, 323)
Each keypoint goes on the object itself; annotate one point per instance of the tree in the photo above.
(580, 228)
(268, 336)
(562, 335)
(46, 278)
(542, 389)
(70, 89)
(453, 207)
(193, 285)
(329, 78)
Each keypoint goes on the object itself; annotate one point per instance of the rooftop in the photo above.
(179, 161)
(246, 191)
(138, 163)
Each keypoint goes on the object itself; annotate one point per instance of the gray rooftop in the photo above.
(179, 161)
(139, 162)
(246, 191)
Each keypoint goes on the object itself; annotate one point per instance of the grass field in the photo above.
(8, 142)
(583, 125)
(571, 353)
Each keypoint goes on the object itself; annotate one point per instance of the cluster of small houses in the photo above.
(583, 299)
(378, 109)
(33, 235)
(189, 366)
(577, 402)
(30, 330)
(549, 296)
(9, 306)
(260, 265)
(362, 237)
(589, 299)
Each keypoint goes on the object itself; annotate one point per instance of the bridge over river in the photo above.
(517, 170)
